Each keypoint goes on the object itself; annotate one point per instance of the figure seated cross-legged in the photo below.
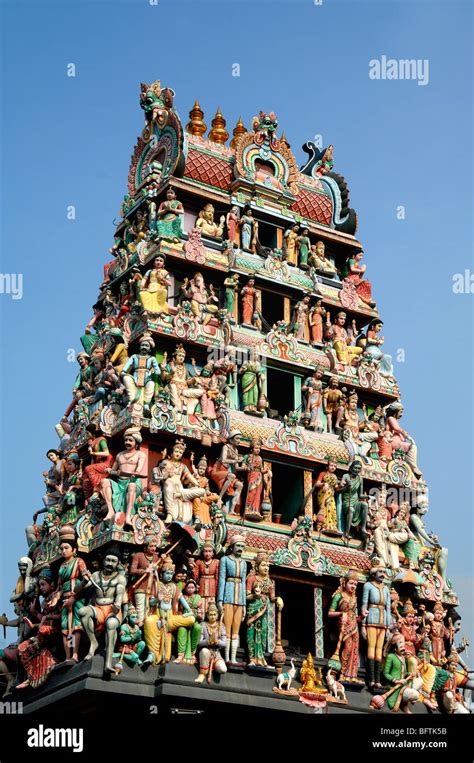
(124, 485)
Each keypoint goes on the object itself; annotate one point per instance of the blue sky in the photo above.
(68, 141)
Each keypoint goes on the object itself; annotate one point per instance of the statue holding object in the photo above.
(124, 484)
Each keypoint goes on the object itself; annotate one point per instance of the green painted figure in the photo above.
(354, 508)
(131, 641)
(188, 638)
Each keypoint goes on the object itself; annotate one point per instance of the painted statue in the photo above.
(231, 594)
(300, 317)
(354, 272)
(250, 304)
(204, 302)
(139, 374)
(372, 348)
(184, 387)
(354, 507)
(180, 487)
(343, 345)
(144, 572)
(252, 381)
(343, 608)
(260, 596)
(213, 639)
(258, 475)
(327, 484)
(401, 440)
(333, 399)
(289, 244)
(232, 221)
(248, 231)
(206, 575)
(166, 618)
(315, 321)
(303, 246)
(131, 643)
(312, 391)
(231, 288)
(124, 484)
(377, 618)
(168, 219)
(320, 262)
(224, 471)
(189, 638)
(396, 672)
(102, 459)
(104, 610)
(207, 226)
(154, 287)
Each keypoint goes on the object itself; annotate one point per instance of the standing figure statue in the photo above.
(188, 638)
(104, 612)
(169, 218)
(257, 471)
(95, 472)
(327, 485)
(426, 539)
(178, 499)
(300, 317)
(289, 244)
(303, 245)
(231, 600)
(260, 596)
(333, 399)
(248, 231)
(344, 608)
(315, 320)
(232, 221)
(224, 471)
(154, 288)
(124, 484)
(202, 504)
(159, 626)
(377, 618)
(213, 639)
(206, 575)
(355, 508)
(231, 284)
(144, 571)
(138, 374)
(312, 391)
(253, 385)
(251, 305)
(72, 576)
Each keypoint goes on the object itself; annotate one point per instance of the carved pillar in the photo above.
(318, 623)
(286, 309)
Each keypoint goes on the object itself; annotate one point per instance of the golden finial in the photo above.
(218, 134)
(196, 124)
(283, 140)
(239, 130)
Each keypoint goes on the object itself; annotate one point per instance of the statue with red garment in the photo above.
(206, 575)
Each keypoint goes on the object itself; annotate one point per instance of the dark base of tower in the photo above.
(171, 690)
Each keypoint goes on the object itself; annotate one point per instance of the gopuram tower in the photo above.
(234, 507)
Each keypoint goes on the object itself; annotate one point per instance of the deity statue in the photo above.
(53, 478)
(345, 351)
(344, 608)
(320, 262)
(260, 595)
(188, 637)
(439, 632)
(144, 569)
(71, 489)
(224, 471)
(252, 376)
(425, 539)
(251, 307)
(397, 672)
(232, 221)
(72, 576)
(154, 287)
(178, 499)
(219, 530)
(401, 440)
(333, 398)
(248, 231)
(258, 475)
(409, 630)
(315, 320)
(124, 484)
(313, 400)
(132, 644)
(205, 573)
(353, 271)
(102, 459)
(354, 507)
(300, 317)
(289, 244)
(327, 485)
(202, 504)
(167, 222)
(231, 284)
(310, 679)
(185, 389)
(35, 652)
(213, 639)
(303, 246)
(231, 594)
(204, 302)
(207, 226)
(400, 535)
(159, 626)
(138, 374)
(377, 618)
(104, 612)
(372, 352)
